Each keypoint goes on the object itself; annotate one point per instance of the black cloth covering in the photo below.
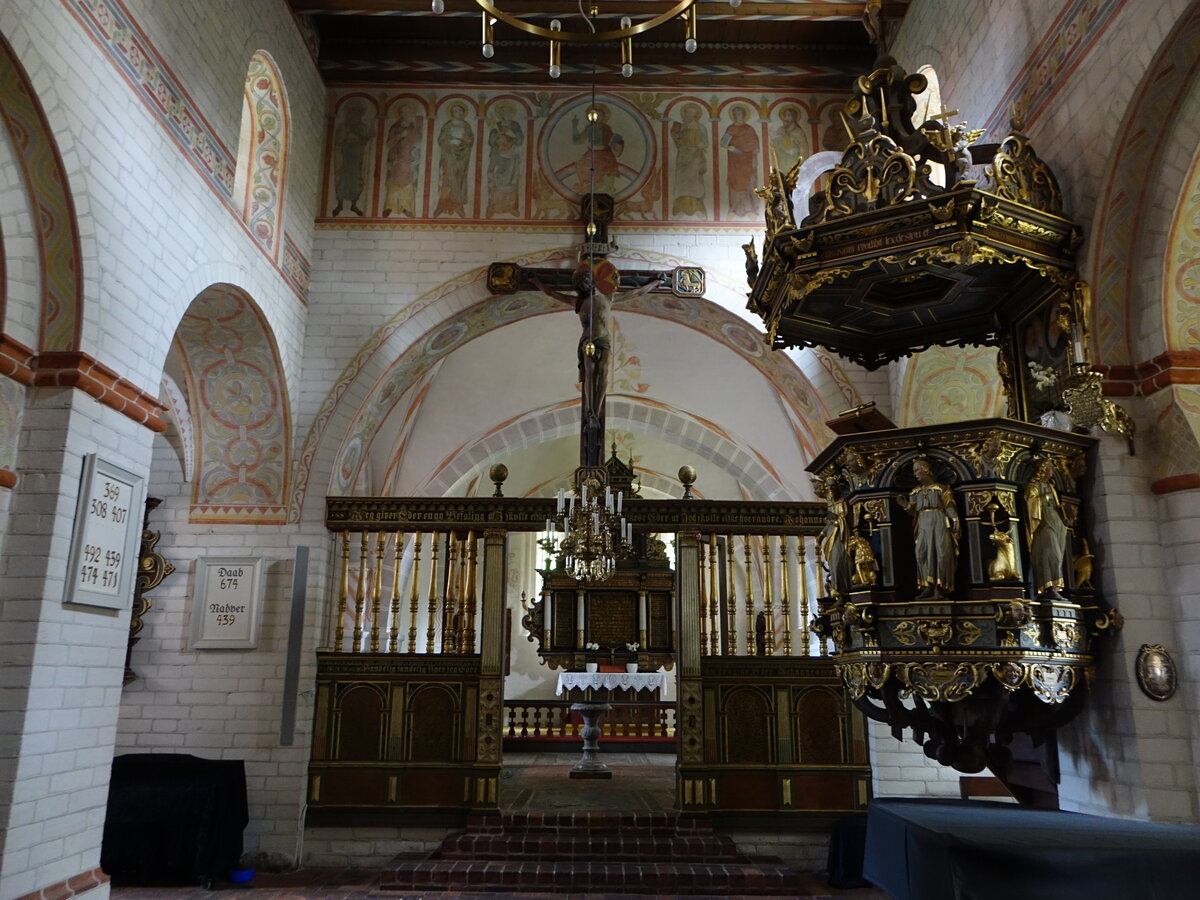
(847, 843)
(173, 819)
(976, 850)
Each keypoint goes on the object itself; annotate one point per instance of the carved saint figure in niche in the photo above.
(350, 141)
(936, 531)
(603, 147)
(403, 163)
(691, 163)
(505, 141)
(455, 140)
(1047, 531)
(835, 540)
(741, 165)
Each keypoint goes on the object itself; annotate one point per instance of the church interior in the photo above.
(642, 447)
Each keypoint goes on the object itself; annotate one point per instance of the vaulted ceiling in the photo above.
(801, 44)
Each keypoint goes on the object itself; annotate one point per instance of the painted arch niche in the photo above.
(690, 385)
(228, 364)
(262, 152)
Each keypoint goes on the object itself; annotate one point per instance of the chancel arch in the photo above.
(229, 361)
(528, 364)
(389, 372)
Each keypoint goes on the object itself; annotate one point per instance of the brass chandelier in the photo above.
(594, 533)
(627, 28)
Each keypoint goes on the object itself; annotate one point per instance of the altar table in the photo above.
(958, 849)
(610, 681)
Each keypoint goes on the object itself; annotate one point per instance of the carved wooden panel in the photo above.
(748, 739)
(433, 720)
(818, 724)
(361, 714)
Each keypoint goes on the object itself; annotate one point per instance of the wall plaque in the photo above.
(227, 607)
(104, 542)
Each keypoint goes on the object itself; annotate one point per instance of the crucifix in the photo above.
(596, 283)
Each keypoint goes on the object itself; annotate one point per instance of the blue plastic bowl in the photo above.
(241, 876)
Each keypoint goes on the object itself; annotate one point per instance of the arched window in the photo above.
(262, 152)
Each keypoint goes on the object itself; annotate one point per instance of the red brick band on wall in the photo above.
(1144, 379)
(72, 887)
(1187, 482)
(78, 370)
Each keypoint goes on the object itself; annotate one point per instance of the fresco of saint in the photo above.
(456, 140)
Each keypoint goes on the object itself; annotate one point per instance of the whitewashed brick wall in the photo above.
(153, 235)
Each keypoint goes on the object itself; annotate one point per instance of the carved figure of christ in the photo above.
(597, 284)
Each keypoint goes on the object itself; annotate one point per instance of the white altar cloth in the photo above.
(611, 681)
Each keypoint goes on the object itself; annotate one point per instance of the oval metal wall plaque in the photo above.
(1156, 673)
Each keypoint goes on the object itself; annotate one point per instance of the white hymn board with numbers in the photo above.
(105, 540)
(227, 607)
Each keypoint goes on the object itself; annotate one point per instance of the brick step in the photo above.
(579, 844)
(591, 822)
(761, 878)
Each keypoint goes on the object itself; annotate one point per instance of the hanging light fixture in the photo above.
(593, 533)
(623, 34)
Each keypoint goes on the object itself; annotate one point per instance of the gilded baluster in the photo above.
(805, 638)
(713, 599)
(450, 608)
(703, 602)
(431, 597)
(339, 634)
(748, 556)
(394, 626)
(768, 598)
(360, 594)
(414, 597)
(731, 602)
(472, 595)
(377, 590)
(785, 599)
(823, 640)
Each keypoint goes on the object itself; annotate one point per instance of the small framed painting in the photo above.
(105, 539)
(227, 607)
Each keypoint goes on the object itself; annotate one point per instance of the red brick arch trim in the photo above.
(75, 369)
(71, 887)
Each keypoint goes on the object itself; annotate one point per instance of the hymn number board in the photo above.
(227, 605)
(104, 542)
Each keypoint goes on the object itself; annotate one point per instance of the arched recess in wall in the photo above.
(497, 361)
(262, 152)
(227, 359)
(1139, 263)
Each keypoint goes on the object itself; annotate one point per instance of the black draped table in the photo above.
(173, 818)
(976, 850)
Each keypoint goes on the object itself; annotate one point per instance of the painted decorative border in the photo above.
(59, 257)
(112, 27)
(1068, 40)
(114, 30)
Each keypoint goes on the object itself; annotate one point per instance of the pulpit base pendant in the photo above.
(589, 765)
